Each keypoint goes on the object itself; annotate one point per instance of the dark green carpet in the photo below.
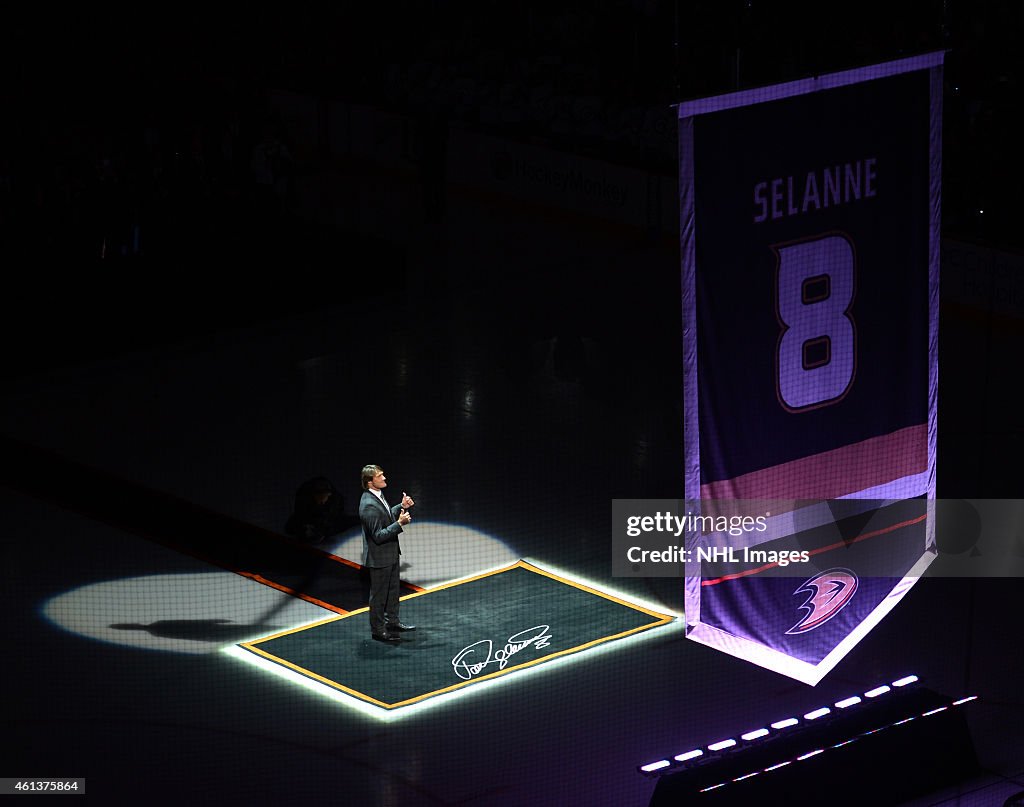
(467, 632)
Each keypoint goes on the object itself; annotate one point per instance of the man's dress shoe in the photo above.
(386, 637)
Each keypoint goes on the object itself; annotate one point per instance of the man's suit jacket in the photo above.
(380, 531)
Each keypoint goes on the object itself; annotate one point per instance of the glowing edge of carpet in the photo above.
(248, 653)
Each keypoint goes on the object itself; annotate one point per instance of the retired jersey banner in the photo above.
(809, 215)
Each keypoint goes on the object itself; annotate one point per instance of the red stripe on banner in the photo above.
(713, 581)
(859, 466)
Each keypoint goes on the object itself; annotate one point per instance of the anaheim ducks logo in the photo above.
(829, 592)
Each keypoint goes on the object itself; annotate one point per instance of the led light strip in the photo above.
(678, 761)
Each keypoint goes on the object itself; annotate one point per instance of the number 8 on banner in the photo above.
(816, 355)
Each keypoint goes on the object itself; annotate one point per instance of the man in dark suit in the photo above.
(382, 525)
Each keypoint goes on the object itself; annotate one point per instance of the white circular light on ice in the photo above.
(183, 613)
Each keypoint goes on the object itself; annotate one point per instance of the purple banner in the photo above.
(809, 219)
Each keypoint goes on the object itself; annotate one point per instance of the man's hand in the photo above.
(404, 518)
(407, 501)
